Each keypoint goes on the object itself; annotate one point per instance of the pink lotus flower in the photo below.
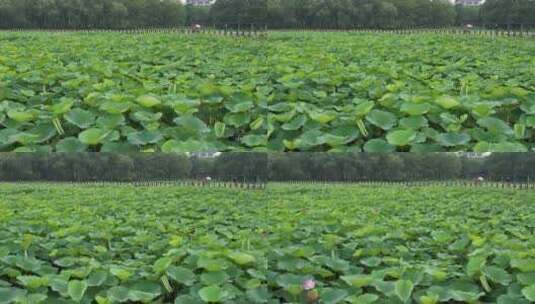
(309, 284)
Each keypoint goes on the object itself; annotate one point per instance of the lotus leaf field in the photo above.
(112, 92)
(342, 243)
(73, 92)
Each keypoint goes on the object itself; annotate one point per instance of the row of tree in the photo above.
(80, 14)
(341, 14)
(261, 167)
(89, 167)
(358, 13)
(514, 167)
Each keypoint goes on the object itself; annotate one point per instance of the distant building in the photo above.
(198, 2)
(205, 154)
(473, 155)
(469, 2)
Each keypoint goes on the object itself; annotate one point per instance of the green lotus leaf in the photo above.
(295, 124)
(76, 290)
(212, 294)
(429, 299)
(413, 122)
(401, 137)
(63, 106)
(366, 298)
(453, 139)
(497, 274)
(524, 265)
(181, 275)
(144, 137)
(495, 125)
(447, 102)
(97, 278)
(110, 121)
(527, 278)
(322, 117)
(404, 290)
(482, 147)
(378, 146)
(415, 109)
(148, 101)
(93, 136)
(333, 296)
(115, 107)
(363, 108)
(144, 291)
(382, 119)
(33, 282)
(10, 295)
(241, 258)
(529, 293)
(239, 103)
(60, 285)
(118, 294)
(254, 140)
(192, 124)
(358, 280)
(175, 146)
(188, 299)
(70, 145)
(66, 262)
(506, 299)
(258, 295)
(22, 116)
(237, 119)
(214, 278)
(122, 273)
(146, 116)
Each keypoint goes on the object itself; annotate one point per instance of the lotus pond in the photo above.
(74, 92)
(288, 244)
(387, 92)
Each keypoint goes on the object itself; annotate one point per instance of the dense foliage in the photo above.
(79, 14)
(295, 92)
(85, 167)
(512, 167)
(374, 167)
(356, 13)
(381, 93)
(163, 92)
(508, 12)
(389, 13)
(509, 167)
(183, 245)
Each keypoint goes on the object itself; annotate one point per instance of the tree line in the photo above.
(514, 167)
(90, 14)
(86, 167)
(90, 167)
(334, 14)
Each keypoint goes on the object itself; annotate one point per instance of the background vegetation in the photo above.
(129, 167)
(260, 166)
(399, 166)
(358, 244)
(80, 14)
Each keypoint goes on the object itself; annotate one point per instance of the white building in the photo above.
(205, 154)
(198, 2)
(474, 155)
(469, 2)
